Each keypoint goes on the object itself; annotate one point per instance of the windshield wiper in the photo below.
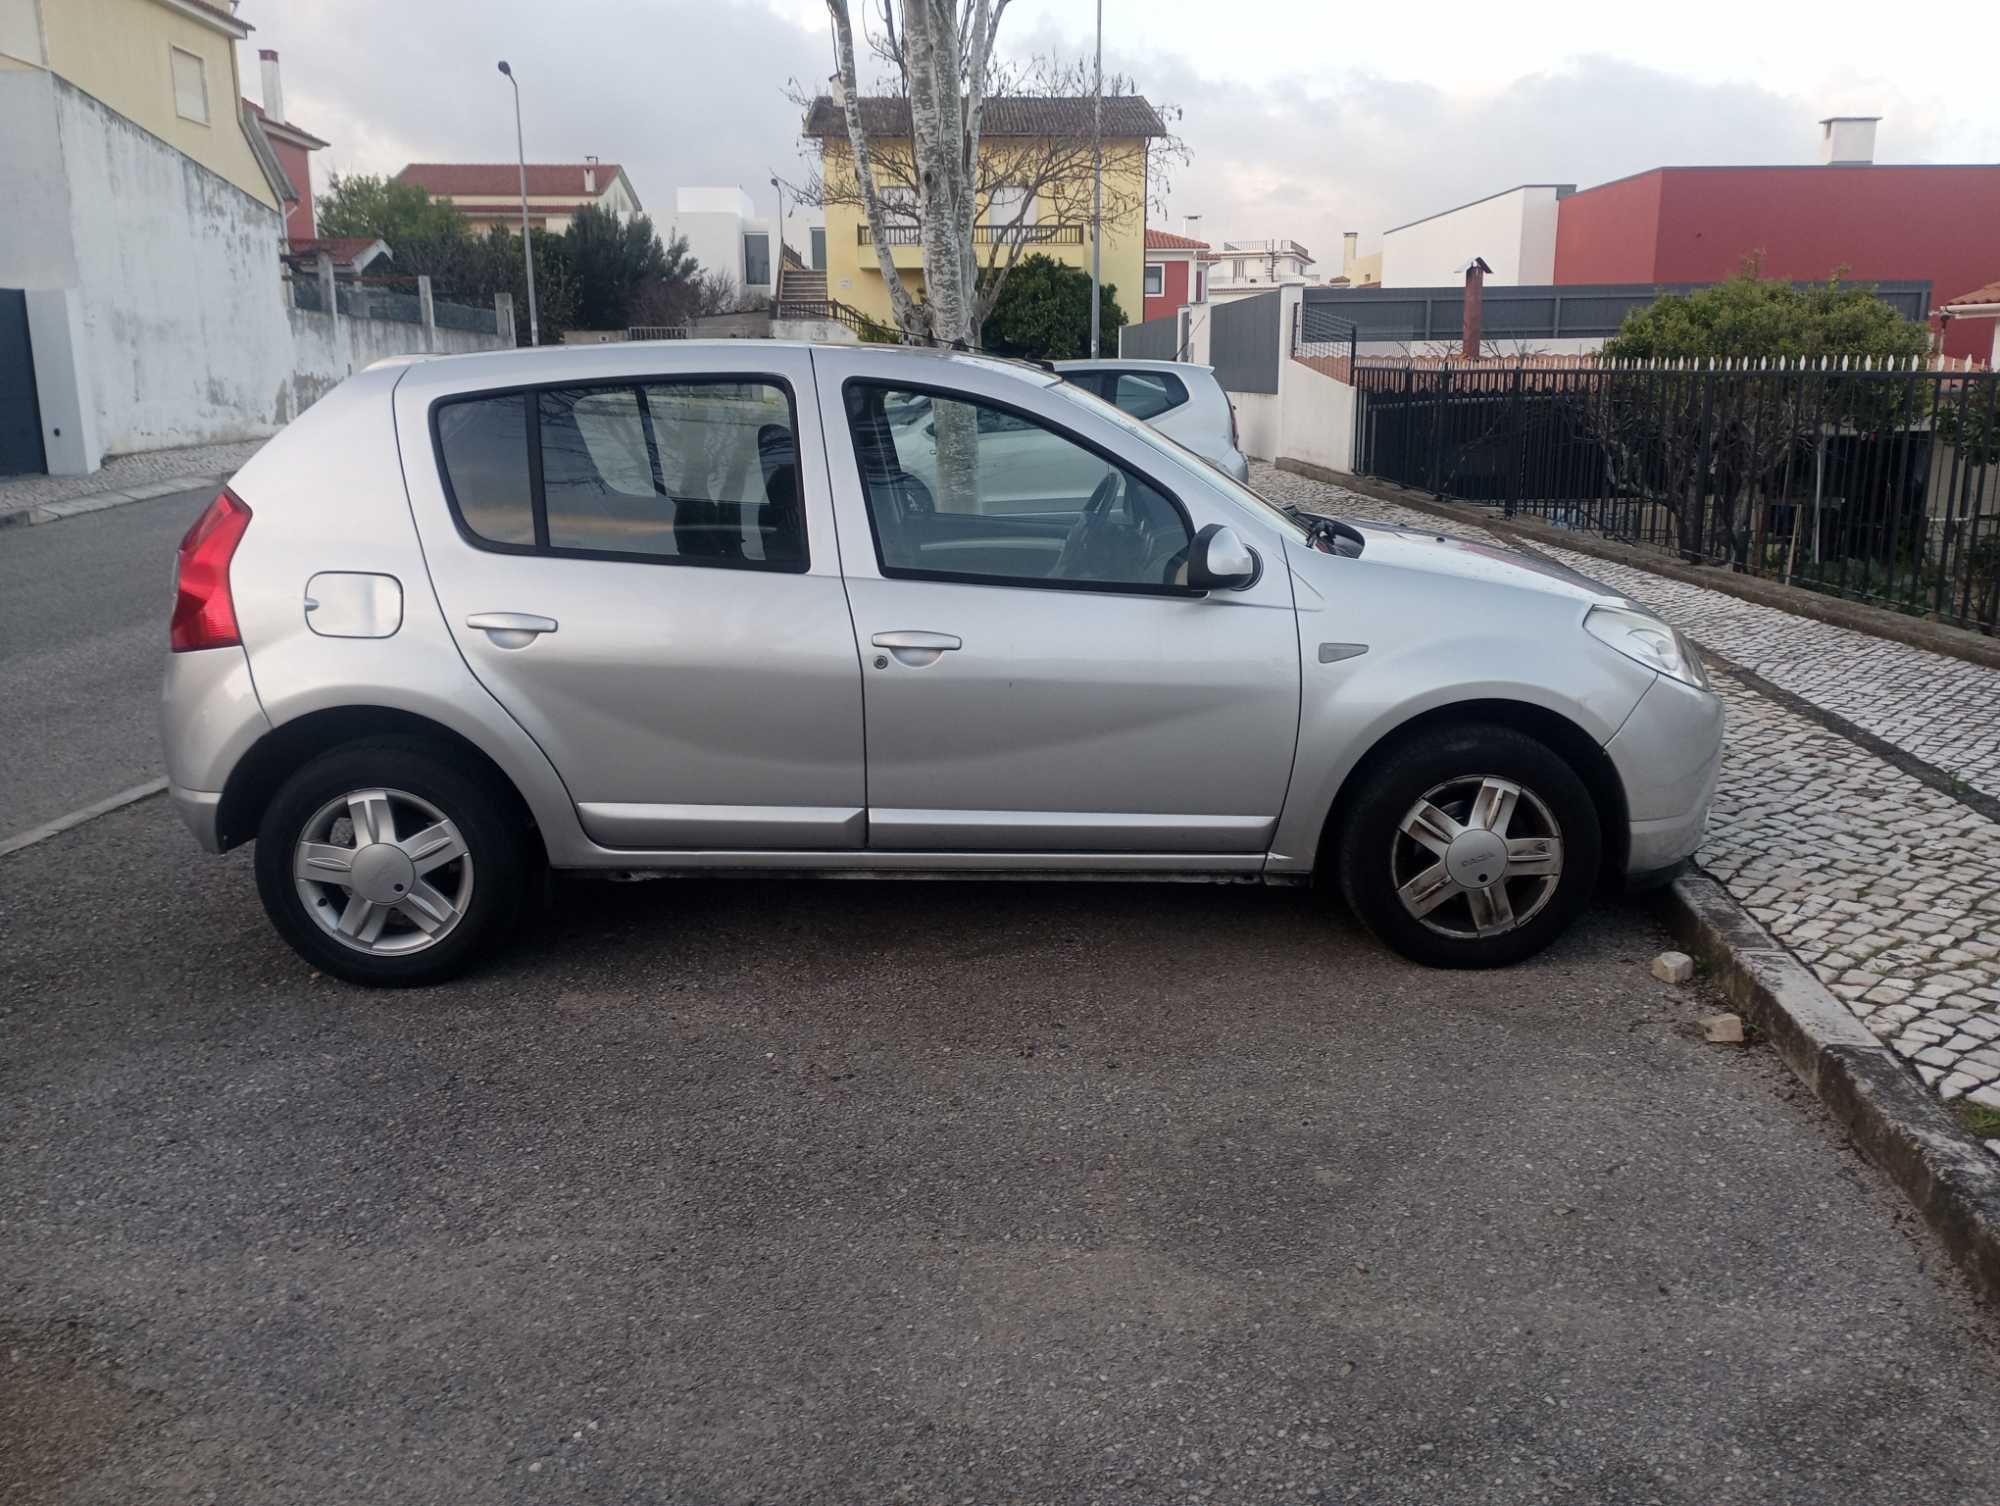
(1328, 535)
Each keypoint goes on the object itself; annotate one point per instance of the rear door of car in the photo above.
(635, 551)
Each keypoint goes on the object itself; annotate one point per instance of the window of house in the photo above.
(1156, 280)
(190, 75)
(697, 473)
(1010, 202)
(1201, 284)
(970, 491)
(818, 257)
(756, 259)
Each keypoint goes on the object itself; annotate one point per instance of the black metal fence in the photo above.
(1880, 483)
(396, 298)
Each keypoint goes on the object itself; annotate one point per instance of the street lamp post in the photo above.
(527, 240)
(778, 268)
(1097, 184)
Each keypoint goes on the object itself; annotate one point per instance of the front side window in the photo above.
(190, 75)
(1156, 280)
(701, 472)
(962, 489)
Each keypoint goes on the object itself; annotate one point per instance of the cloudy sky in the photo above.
(1301, 118)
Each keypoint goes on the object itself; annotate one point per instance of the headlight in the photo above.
(1647, 640)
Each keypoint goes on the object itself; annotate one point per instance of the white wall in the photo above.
(1316, 419)
(154, 285)
(21, 32)
(1515, 231)
(327, 351)
(715, 220)
(1258, 423)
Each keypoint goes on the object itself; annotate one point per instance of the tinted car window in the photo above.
(1145, 394)
(969, 490)
(690, 472)
(484, 445)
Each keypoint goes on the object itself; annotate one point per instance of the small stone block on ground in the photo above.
(1673, 967)
(1722, 1029)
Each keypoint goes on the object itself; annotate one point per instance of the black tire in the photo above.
(487, 821)
(1367, 853)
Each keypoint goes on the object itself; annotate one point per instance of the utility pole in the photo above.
(1097, 187)
(527, 240)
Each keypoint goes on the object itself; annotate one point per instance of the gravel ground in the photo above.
(748, 1191)
(121, 471)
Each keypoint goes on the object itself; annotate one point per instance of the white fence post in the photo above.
(427, 311)
(503, 318)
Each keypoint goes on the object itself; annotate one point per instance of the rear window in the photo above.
(695, 472)
(1145, 394)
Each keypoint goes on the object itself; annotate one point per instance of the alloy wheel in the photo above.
(1476, 856)
(371, 887)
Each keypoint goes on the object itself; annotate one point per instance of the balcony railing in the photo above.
(983, 235)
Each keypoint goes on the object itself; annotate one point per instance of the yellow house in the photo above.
(168, 66)
(1035, 157)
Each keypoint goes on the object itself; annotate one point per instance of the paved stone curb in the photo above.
(1896, 1123)
(1898, 627)
(145, 491)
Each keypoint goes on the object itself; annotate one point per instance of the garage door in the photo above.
(20, 414)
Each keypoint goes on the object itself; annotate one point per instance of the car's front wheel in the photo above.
(384, 865)
(1471, 846)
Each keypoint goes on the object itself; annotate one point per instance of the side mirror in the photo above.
(1220, 561)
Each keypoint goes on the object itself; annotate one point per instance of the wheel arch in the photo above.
(279, 753)
(1564, 737)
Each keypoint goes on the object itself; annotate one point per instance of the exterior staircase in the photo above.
(798, 285)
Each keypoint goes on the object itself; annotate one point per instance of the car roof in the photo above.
(558, 358)
(1115, 363)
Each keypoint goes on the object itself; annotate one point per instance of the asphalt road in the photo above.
(84, 605)
(749, 1191)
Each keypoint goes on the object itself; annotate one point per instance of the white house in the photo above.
(726, 234)
(1244, 268)
(1515, 231)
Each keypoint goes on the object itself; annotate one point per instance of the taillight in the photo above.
(204, 614)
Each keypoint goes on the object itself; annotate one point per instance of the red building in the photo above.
(1870, 222)
(294, 148)
(1175, 272)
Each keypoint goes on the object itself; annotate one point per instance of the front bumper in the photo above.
(1667, 756)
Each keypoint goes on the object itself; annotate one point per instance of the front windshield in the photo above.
(1146, 434)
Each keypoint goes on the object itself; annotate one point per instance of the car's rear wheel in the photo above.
(1471, 846)
(384, 865)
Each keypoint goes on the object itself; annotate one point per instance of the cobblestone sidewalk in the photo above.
(1885, 887)
(123, 478)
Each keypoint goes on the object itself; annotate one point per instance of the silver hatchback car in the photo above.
(1183, 401)
(757, 607)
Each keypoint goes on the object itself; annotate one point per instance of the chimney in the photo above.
(1847, 140)
(836, 90)
(1475, 307)
(1191, 226)
(1350, 251)
(590, 175)
(274, 86)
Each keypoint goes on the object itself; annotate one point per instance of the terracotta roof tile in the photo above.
(1988, 294)
(1005, 115)
(1166, 240)
(493, 179)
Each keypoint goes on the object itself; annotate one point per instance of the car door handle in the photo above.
(911, 638)
(511, 629)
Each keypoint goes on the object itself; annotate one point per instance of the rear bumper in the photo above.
(1667, 755)
(209, 718)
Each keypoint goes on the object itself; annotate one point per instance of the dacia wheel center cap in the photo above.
(1475, 858)
(383, 873)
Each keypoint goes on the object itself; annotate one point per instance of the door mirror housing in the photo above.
(1221, 561)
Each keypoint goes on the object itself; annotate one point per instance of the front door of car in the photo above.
(1036, 673)
(641, 569)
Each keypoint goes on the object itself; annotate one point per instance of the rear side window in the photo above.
(1147, 394)
(699, 472)
(484, 446)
